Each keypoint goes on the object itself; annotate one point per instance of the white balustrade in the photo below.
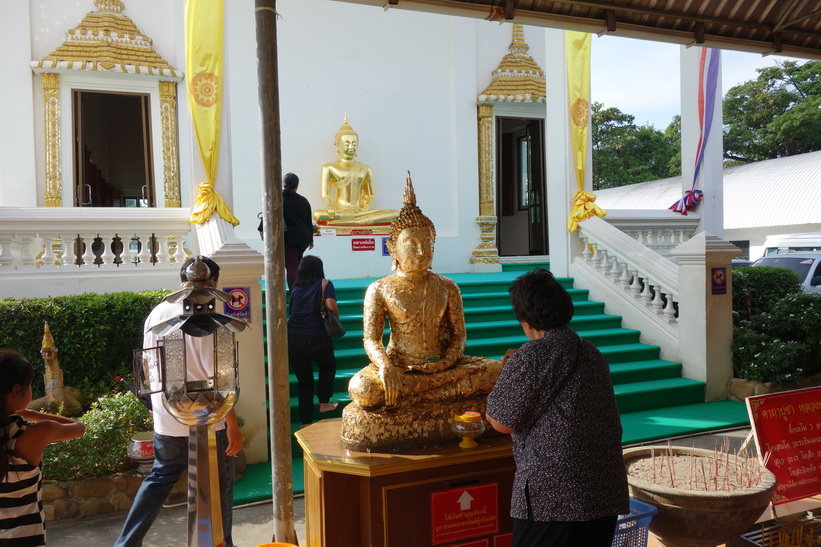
(52, 239)
(660, 231)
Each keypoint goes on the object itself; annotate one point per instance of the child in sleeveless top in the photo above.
(24, 434)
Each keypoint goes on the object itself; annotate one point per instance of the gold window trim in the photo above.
(108, 41)
(518, 79)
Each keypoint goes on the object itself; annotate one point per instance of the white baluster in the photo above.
(145, 251)
(658, 301)
(625, 276)
(684, 236)
(162, 250)
(669, 309)
(36, 247)
(635, 286)
(615, 270)
(87, 256)
(646, 293)
(604, 266)
(106, 255)
(596, 259)
(586, 253)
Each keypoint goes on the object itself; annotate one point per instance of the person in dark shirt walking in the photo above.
(299, 228)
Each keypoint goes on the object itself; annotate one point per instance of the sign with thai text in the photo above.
(363, 244)
(787, 425)
(464, 513)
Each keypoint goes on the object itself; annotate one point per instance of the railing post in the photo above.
(705, 311)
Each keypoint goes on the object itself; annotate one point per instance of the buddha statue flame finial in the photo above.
(411, 216)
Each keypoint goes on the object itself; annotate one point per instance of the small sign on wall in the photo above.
(719, 280)
(240, 306)
(385, 251)
(464, 513)
(363, 244)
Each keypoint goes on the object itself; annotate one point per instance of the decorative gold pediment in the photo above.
(107, 41)
(519, 79)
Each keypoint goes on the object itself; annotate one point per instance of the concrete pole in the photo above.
(279, 414)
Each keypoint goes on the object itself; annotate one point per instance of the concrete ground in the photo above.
(253, 524)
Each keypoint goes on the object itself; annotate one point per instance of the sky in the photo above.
(641, 78)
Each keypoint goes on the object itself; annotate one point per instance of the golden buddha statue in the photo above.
(347, 186)
(411, 389)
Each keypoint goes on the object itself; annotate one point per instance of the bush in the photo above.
(94, 333)
(110, 423)
(757, 289)
(783, 344)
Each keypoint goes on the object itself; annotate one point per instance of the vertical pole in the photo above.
(279, 413)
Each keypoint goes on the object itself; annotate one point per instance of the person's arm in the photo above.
(234, 434)
(331, 303)
(46, 429)
(497, 426)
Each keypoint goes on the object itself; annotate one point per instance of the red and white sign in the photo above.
(477, 543)
(787, 425)
(464, 513)
(363, 244)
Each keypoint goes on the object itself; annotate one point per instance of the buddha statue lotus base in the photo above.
(379, 430)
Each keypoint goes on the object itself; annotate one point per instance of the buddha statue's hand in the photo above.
(391, 380)
(429, 367)
(331, 210)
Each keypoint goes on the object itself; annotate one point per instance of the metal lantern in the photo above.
(198, 401)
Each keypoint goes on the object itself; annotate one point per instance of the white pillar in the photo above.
(706, 312)
(561, 179)
(18, 174)
(242, 267)
(711, 175)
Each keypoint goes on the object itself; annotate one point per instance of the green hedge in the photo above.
(777, 333)
(95, 335)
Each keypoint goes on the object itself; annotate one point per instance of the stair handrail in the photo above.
(631, 267)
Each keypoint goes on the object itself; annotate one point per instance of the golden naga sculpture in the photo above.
(411, 389)
(347, 186)
(58, 398)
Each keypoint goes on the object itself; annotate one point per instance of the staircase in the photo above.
(654, 401)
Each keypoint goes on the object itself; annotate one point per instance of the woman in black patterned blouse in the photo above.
(555, 397)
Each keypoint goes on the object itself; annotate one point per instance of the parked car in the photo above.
(739, 262)
(790, 243)
(806, 265)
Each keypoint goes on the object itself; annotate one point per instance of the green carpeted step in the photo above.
(664, 423)
(624, 353)
(521, 267)
(256, 484)
(655, 394)
(642, 371)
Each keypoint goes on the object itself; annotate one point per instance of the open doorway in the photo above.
(520, 185)
(112, 150)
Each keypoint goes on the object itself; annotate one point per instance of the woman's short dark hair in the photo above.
(540, 300)
(310, 270)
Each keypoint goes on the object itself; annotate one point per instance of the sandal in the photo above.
(327, 407)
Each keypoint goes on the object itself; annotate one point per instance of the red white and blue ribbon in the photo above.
(707, 88)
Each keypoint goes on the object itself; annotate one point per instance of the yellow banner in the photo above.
(577, 46)
(203, 67)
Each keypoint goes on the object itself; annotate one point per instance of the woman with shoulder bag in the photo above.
(308, 341)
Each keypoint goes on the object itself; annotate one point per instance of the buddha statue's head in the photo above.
(346, 141)
(412, 236)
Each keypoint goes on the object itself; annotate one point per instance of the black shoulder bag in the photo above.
(333, 326)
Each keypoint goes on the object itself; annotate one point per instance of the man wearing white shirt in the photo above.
(171, 437)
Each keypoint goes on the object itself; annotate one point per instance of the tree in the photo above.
(777, 114)
(624, 153)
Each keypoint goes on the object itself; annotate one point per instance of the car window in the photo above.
(801, 266)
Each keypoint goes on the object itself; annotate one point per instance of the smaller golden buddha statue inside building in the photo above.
(347, 186)
(411, 389)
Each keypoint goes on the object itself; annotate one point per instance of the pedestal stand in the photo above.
(204, 509)
(432, 495)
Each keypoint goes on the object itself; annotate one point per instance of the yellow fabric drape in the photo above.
(203, 66)
(577, 45)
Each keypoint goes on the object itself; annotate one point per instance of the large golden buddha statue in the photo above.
(347, 186)
(411, 389)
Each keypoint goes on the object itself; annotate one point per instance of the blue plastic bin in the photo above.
(632, 529)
